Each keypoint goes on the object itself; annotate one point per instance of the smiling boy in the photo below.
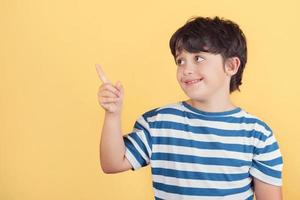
(205, 147)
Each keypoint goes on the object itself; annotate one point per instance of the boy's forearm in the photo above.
(112, 147)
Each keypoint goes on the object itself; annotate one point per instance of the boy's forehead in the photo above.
(183, 51)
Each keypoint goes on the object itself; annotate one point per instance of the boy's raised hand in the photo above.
(110, 97)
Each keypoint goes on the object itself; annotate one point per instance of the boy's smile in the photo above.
(192, 81)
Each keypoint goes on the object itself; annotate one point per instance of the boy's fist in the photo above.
(110, 96)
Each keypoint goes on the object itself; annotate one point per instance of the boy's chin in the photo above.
(197, 97)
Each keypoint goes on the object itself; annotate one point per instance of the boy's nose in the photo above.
(189, 69)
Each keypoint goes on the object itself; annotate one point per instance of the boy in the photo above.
(204, 147)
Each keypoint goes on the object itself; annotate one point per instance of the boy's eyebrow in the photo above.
(201, 53)
(176, 55)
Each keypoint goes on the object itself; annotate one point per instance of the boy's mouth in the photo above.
(192, 81)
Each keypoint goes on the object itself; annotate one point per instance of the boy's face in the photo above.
(201, 75)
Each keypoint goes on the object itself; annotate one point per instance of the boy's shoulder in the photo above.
(255, 119)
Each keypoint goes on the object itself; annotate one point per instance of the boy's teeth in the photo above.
(193, 81)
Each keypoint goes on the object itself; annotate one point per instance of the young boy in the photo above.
(204, 147)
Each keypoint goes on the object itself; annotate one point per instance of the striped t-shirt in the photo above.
(203, 155)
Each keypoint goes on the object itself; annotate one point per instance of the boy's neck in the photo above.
(212, 105)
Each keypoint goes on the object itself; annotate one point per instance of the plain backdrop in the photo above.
(50, 119)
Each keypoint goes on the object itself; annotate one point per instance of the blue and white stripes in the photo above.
(195, 154)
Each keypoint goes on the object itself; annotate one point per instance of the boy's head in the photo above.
(215, 36)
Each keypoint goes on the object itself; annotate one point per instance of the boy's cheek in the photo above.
(178, 79)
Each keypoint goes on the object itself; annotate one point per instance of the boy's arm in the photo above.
(112, 147)
(265, 191)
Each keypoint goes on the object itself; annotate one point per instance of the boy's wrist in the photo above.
(112, 114)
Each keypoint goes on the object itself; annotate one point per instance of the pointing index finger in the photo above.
(101, 74)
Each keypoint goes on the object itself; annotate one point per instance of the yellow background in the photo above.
(50, 120)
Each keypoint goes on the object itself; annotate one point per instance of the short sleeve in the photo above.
(267, 161)
(138, 144)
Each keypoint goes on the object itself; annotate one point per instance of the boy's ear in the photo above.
(232, 65)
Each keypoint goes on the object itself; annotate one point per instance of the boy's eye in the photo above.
(199, 59)
(179, 62)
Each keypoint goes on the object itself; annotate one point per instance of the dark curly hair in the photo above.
(214, 35)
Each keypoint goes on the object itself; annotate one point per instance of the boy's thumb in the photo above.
(119, 85)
